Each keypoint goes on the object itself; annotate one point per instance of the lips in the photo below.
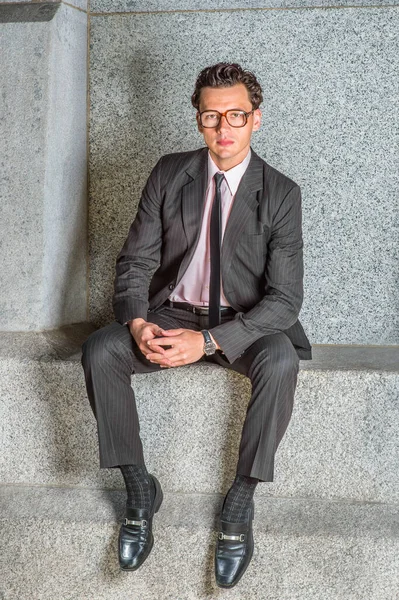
(225, 143)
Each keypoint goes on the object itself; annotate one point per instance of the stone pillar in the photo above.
(43, 209)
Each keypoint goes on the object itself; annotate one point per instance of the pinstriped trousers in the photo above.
(110, 356)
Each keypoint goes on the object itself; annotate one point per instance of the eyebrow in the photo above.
(215, 110)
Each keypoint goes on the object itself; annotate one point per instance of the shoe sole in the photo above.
(158, 494)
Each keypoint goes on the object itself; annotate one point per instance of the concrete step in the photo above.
(342, 442)
(61, 543)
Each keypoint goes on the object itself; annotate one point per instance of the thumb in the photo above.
(156, 330)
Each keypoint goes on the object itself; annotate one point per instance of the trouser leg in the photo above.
(110, 356)
(108, 363)
(272, 365)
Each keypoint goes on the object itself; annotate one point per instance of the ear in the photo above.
(200, 128)
(257, 120)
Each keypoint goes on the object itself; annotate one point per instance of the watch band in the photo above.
(209, 346)
(207, 336)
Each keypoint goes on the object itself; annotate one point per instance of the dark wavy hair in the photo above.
(227, 75)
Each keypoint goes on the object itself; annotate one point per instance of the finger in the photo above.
(180, 359)
(158, 331)
(164, 342)
(155, 348)
(172, 352)
(145, 350)
(161, 364)
(165, 354)
(169, 332)
(150, 335)
(180, 363)
(158, 359)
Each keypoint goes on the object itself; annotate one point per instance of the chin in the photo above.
(228, 152)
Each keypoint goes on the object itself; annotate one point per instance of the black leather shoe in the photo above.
(234, 549)
(135, 536)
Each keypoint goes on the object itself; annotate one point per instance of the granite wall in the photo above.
(43, 206)
(331, 81)
(204, 5)
(330, 114)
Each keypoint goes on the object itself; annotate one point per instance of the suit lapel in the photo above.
(193, 198)
(245, 202)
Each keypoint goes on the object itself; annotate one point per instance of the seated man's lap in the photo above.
(275, 349)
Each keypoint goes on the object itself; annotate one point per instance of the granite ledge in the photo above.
(65, 344)
(284, 516)
(102, 7)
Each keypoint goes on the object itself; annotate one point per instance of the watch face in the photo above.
(209, 348)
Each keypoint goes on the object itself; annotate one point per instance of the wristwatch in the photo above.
(209, 346)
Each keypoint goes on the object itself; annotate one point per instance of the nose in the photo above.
(223, 124)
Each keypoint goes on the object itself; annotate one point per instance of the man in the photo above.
(212, 268)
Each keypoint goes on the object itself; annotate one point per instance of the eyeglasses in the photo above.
(235, 118)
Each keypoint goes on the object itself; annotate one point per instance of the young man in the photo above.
(212, 268)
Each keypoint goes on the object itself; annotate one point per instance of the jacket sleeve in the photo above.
(140, 254)
(279, 308)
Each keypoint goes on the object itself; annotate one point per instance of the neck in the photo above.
(225, 164)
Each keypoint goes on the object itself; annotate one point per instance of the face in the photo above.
(228, 145)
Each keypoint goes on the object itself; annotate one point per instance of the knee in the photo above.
(93, 348)
(278, 355)
(99, 344)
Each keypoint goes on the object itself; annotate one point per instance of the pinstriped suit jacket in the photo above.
(262, 264)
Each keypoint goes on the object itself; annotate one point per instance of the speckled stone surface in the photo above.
(43, 208)
(24, 49)
(56, 344)
(77, 3)
(342, 442)
(303, 549)
(176, 5)
(82, 3)
(331, 82)
(27, 12)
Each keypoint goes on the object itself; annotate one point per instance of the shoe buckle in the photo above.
(142, 523)
(232, 538)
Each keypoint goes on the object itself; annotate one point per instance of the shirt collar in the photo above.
(232, 176)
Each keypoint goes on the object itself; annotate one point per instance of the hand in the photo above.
(187, 347)
(143, 332)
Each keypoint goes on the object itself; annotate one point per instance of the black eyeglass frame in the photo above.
(246, 115)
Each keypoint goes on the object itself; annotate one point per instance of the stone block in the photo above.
(43, 148)
(342, 441)
(303, 549)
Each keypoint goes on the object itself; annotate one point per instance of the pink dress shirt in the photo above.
(194, 285)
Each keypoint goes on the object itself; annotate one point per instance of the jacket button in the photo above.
(172, 286)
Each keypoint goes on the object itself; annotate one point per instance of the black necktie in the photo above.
(215, 245)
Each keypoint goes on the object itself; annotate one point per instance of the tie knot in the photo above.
(218, 177)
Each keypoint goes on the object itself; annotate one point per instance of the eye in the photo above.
(235, 115)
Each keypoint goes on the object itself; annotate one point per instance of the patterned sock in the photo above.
(239, 498)
(139, 486)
